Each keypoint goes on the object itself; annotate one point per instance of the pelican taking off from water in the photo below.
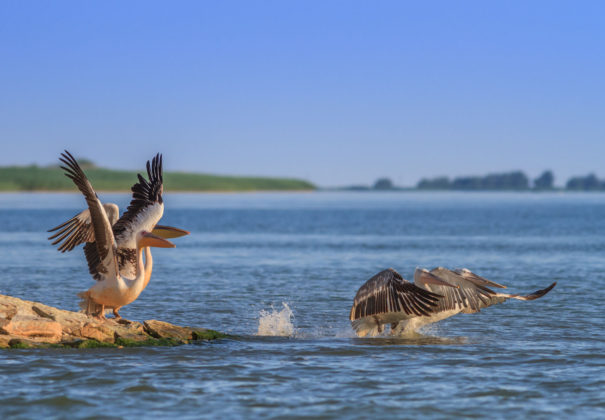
(387, 298)
(143, 213)
(112, 289)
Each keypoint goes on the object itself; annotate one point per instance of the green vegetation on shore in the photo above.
(36, 178)
(515, 181)
(512, 181)
(506, 181)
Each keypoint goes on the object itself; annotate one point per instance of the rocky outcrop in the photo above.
(25, 324)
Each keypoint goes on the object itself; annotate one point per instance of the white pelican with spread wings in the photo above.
(114, 249)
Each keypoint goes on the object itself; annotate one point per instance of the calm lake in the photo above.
(250, 257)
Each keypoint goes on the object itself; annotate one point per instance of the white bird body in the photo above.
(412, 325)
(118, 291)
(146, 219)
(387, 298)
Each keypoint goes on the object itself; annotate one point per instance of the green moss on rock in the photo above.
(19, 344)
(89, 344)
(208, 335)
(124, 342)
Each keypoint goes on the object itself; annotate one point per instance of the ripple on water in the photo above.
(246, 252)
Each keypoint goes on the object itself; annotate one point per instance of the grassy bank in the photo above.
(35, 178)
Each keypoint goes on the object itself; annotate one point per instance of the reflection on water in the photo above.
(413, 339)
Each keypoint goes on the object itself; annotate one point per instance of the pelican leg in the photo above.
(118, 318)
(379, 326)
(101, 314)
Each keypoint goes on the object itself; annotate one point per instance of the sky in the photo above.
(335, 92)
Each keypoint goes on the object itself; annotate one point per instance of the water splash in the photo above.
(276, 323)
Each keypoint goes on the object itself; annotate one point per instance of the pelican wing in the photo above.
(93, 260)
(472, 293)
(103, 233)
(146, 195)
(388, 292)
(78, 229)
(478, 280)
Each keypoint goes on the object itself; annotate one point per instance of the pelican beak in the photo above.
(149, 239)
(168, 232)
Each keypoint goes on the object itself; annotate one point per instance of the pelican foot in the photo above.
(100, 316)
(118, 318)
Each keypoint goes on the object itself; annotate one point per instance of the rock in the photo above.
(206, 334)
(4, 340)
(44, 313)
(95, 331)
(4, 322)
(159, 329)
(25, 324)
(7, 310)
(35, 328)
(22, 343)
(133, 331)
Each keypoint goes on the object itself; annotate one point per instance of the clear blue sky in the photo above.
(337, 92)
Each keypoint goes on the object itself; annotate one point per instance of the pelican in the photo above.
(387, 298)
(115, 247)
(144, 211)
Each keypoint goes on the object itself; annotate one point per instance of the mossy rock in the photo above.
(89, 344)
(166, 342)
(33, 325)
(202, 335)
(19, 344)
(207, 335)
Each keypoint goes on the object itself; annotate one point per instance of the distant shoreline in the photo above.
(319, 191)
(430, 191)
(52, 179)
(72, 191)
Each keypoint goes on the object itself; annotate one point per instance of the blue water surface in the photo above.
(248, 253)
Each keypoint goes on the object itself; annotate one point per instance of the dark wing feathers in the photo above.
(78, 229)
(388, 292)
(532, 296)
(144, 193)
(93, 260)
(104, 238)
(472, 293)
(470, 296)
(72, 232)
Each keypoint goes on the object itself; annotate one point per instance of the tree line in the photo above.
(512, 181)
